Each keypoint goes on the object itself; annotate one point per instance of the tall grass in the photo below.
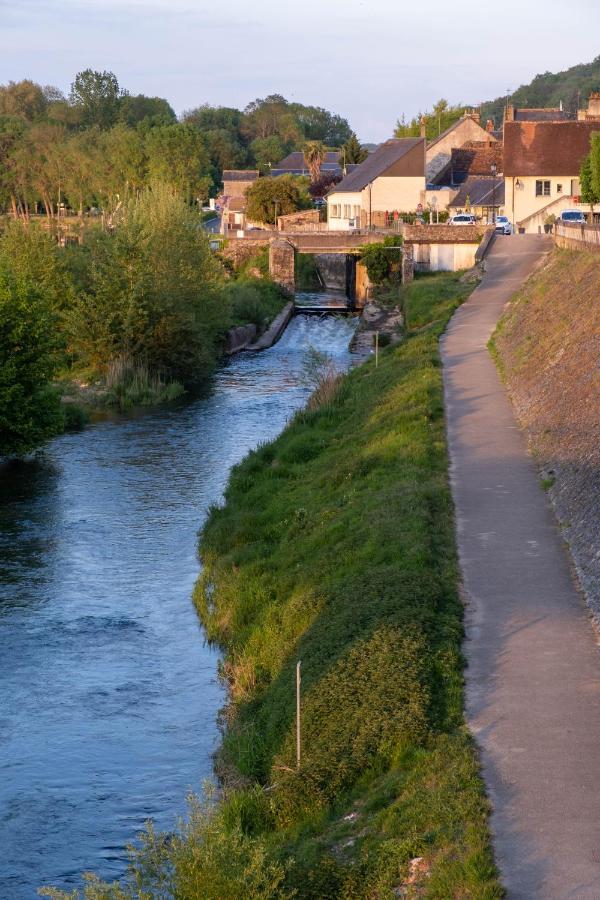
(130, 382)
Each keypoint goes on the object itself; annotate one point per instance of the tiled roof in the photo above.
(546, 148)
(475, 158)
(548, 114)
(240, 174)
(295, 161)
(481, 191)
(379, 162)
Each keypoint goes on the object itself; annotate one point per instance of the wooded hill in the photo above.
(572, 87)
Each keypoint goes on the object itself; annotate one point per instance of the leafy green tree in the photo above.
(266, 152)
(24, 99)
(34, 257)
(586, 178)
(29, 409)
(98, 96)
(154, 292)
(177, 156)
(137, 108)
(267, 198)
(441, 117)
(352, 151)
(595, 163)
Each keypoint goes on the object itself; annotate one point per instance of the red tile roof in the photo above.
(546, 148)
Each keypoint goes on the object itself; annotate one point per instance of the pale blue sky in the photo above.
(369, 60)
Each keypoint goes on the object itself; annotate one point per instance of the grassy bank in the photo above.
(335, 546)
(547, 347)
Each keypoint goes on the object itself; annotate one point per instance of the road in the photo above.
(533, 676)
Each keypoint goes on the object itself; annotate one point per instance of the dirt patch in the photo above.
(548, 348)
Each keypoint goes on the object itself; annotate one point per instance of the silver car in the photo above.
(462, 219)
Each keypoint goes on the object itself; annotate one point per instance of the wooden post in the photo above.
(376, 349)
(298, 733)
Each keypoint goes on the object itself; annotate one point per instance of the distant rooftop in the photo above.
(240, 174)
(384, 161)
(481, 191)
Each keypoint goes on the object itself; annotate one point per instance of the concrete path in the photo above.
(533, 676)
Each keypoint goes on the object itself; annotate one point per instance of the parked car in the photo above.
(572, 215)
(462, 219)
(503, 225)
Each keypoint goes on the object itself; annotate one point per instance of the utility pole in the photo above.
(298, 730)
(493, 169)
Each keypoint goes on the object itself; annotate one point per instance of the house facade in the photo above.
(232, 201)
(542, 160)
(464, 130)
(392, 178)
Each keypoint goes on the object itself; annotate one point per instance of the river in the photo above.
(109, 692)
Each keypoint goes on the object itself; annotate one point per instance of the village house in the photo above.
(542, 160)
(465, 130)
(233, 199)
(392, 178)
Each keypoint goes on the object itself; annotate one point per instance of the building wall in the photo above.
(444, 257)
(522, 203)
(343, 209)
(443, 197)
(389, 194)
(438, 155)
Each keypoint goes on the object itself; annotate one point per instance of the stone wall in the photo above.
(239, 252)
(282, 264)
(298, 221)
(442, 234)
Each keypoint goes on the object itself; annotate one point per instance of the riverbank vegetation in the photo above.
(131, 316)
(335, 546)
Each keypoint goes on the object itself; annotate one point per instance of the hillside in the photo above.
(548, 345)
(549, 89)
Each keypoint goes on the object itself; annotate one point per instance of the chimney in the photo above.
(423, 130)
(475, 115)
(509, 114)
(489, 126)
(593, 110)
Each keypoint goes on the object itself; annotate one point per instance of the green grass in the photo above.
(335, 546)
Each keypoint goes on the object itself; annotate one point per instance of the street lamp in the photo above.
(493, 170)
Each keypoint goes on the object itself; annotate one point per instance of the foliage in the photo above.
(438, 119)
(152, 292)
(29, 409)
(314, 156)
(325, 182)
(268, 197)
(352, 151)
(570, 87)
(380, 259)
(97, 96)
(254, 300)
(101, 144)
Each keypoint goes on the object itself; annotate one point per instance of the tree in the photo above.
(595, 162)
(266, 152)
(177, 157)
(29, 410)
(441, 117)
(314, 156)
(151, 110)
(352, 152)
(24, 99)
(153, 297)
(588, 193)
(267, 198)
(97, 94)
(325, 183)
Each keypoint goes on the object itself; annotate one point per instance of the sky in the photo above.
(368, 60)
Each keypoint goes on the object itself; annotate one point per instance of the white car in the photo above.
(503, 225)
(462, 219)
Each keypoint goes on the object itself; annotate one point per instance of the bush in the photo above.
(381, 261)
(253, 301)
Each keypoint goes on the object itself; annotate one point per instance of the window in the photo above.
(542, 189)
(347, 213)
(356, 212)
(335, 210)
(559, 188)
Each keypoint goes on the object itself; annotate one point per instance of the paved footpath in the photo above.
(533, 676)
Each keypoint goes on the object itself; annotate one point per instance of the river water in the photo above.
(109, 694)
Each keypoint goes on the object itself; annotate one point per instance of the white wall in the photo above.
(347, 205)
